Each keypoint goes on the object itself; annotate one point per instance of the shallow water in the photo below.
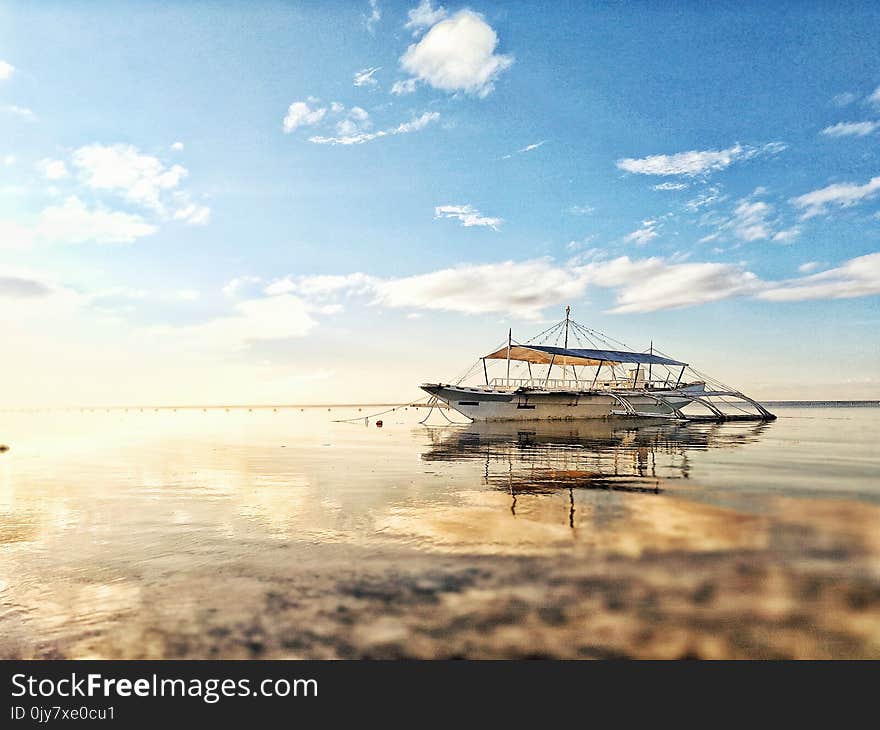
(279, 533)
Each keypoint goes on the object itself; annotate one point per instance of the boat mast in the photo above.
(649, 364)
(565, 344)
(509, 341)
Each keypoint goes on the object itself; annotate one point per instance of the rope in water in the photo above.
(358, 419)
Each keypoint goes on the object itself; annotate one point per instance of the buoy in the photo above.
(3, 447)
(378, 424)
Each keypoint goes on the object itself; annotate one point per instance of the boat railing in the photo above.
(568, 384)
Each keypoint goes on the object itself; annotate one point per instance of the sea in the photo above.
(361, 532)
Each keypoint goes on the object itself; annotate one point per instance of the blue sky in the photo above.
(312, 202)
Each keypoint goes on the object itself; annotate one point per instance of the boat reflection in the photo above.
(595, 455)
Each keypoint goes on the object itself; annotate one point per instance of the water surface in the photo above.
(278, 533)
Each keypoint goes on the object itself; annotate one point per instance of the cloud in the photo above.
(374, 17)
(809, 266)
(710, 197)
(177, 146)
(874, 97)
(194, 214)
(300, 114)
(851, 129)
(234, 285)
(527, 148)
(6, 70)
(405, 128)
(52, 169)
(252, 320)
(580, 210)
(189, 295)
(15, 287)
(523, 288)
(406, 86)
(457, 54)
(696, 162)
(653, 284)
(670, 186)
(751, 220)
(22, 112)
(645, 234)
(320, 286)
(844, 99)
(356, 121)
(467, 215)
(139, 178)
(364, 77)
(74, 222)
(787, 235)
(858, 277)
(838, 195)
(424, 16)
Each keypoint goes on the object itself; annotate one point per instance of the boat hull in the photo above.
(484, 404)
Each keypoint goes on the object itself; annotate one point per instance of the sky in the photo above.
(283, 202)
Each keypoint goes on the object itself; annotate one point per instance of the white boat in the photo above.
(600, 381)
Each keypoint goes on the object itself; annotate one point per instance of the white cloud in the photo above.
(123, 169)
(189, 295)
(364, 77)
(406, 86)
(696, 162)
(527, 148)
(15, 235)
(787, 235)
(52, 169)
(21, 111)
(424, 16)
(710, 197)
(177, 146)
(405, 128)
(751, 220)
(581, 210)
(300, 114)
(839, 195)
(654, 284)
(6, 70)
(253, 320)
(356, 121)
(523, 288)
(9, 160)
(809, 266)
(844, 99)
(374, 17)
(670, 186)
(457, 54)
(467, 215)
(851, 129)
(73, 222)
(874, 97)
(194, 214)
(319, 286)
(235, 284)
(645, 234)
(858, 277)
(16, 287)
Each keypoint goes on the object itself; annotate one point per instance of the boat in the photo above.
(604, 380)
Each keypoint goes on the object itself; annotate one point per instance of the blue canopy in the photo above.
(542, 354)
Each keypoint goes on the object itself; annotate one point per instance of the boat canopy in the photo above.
(541, 354)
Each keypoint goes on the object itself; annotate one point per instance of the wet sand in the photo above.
(454, 543)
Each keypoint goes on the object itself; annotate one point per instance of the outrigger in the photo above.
(599, 381)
